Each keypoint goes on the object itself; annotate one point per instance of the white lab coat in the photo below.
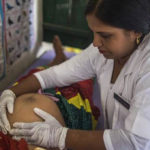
(125, 129)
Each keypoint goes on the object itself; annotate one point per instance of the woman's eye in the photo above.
(105, 36)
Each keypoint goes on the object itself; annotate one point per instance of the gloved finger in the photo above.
(2, 128)
(10, 107)
(26, 138)
(20, 132)
(22, 125)
(4, 119)
(45, 115)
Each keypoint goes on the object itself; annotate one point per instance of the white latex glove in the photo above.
(7, 99)
(48, 134)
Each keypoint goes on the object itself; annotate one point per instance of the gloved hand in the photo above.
(48, 134)
(7, 99)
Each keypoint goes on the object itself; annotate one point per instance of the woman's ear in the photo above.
(135, 35)
(138, 35)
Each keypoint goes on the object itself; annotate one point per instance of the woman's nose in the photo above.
(97, 42)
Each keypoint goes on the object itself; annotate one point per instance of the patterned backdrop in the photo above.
(17, 30)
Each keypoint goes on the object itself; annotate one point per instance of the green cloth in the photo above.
(74, 118)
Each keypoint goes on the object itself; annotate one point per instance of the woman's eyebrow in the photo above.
(104, 33)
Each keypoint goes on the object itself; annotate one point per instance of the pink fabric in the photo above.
(49, 95)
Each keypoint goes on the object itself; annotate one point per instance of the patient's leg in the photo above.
(59, 51)
(23, 109)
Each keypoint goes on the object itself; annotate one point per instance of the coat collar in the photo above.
(139, 54)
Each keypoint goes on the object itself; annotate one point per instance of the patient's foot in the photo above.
(60, 56)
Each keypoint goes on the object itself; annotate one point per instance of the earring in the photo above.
(138, 40)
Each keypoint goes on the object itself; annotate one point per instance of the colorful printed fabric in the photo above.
(7, 143)
(75, 103)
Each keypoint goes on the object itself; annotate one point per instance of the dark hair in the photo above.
(126, 14)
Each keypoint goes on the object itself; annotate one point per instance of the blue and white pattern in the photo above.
(2, 46)
(19, 28)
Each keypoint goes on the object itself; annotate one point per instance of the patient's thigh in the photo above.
(23, 108)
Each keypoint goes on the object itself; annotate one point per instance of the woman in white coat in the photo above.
(120, 59)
